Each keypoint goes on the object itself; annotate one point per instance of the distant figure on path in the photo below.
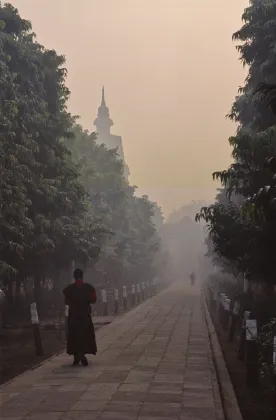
(80, 329)
(192, 278)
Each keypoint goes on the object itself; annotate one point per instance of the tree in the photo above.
(62, 196)
(243, 232)
(45, 218)
(257, 38)
(128, 254)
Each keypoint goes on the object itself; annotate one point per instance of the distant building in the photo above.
(103, 123)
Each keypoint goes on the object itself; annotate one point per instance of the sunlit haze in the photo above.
(170, 71)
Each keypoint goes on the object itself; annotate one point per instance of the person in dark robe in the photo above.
(81, 338)
(192, 278)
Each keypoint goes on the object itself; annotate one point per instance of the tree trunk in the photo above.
(9, 292)
(18, 283)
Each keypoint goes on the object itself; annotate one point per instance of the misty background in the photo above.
(166, 66)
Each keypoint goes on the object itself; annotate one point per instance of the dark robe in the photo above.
(81, 338)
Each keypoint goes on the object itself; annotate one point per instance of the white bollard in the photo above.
(116, 301)
(104, 300)
(138, 290)
(36, 330)
(125, 297)
(133, 295)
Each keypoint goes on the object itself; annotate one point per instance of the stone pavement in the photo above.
(154, 363)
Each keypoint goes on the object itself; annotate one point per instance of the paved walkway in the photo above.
(154, 363)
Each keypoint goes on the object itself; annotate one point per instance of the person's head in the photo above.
(78, 274)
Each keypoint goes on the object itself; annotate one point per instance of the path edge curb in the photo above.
(228, 396)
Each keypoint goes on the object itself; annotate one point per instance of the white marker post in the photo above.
(274, 365)
(133, 295)
(221, 308)
(143, 290)
(36, 330)
(66, 314)
(251, 329)
(236, 309)
(104, 301)
(138, 290)
(242, 346)
(116, 301)
(234, 321)
(274, 353)
(125, 297)
(226, 312)
(215, 295)
(252, 368)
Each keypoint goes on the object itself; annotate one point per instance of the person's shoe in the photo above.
(76, 361)
(84, 361)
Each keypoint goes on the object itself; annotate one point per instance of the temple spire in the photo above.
(103, 98)
(103, 122)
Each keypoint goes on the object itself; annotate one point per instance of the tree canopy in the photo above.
(128, 254)
(62, 196)
(242, 222)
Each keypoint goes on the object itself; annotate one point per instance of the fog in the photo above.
(170, 70)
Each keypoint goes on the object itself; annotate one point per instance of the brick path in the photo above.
(153, 364)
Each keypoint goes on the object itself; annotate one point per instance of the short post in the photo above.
(138, 290)
(215, 299)
(146, 289)
(226, 315)
(104, 300)
(125, 297)
(211, 294)
(143, 290)
(36, 330)
(59, 325)
(154, 284)
(133, 295)
(242, 346)
(252, 365)
(221, 308)
(234, 321)
(66, 314)
(274, 366)
(116, 301)
(218, 302)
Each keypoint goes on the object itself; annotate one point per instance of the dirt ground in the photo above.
(254, 404)
(17, 351)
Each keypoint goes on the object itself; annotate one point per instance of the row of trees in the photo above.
(242, 221)
(62, 197)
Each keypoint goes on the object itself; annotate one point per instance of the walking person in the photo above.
(81, 338)
(192, 278)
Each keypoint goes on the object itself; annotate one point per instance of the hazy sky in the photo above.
(170, 71)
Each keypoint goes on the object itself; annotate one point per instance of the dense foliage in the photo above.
(243, 227)
(129, 254)
(62, 197)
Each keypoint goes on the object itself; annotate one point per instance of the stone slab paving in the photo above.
(154, 363)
